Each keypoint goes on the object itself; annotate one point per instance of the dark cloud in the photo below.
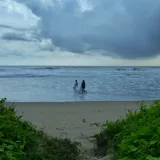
(8, 27)
(13, 28)
(131, 29)
(15, 37)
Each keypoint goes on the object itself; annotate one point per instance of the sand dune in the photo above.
(76, 120)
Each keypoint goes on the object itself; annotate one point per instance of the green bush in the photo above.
(134, 137)
(20, 140)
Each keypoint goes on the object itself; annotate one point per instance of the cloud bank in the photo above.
(88, 32)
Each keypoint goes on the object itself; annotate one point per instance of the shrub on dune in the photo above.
(21, 140)
(134, 137)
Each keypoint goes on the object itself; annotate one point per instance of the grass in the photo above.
(21, 140)
(134, 137)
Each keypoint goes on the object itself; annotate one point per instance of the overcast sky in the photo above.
(80, 32)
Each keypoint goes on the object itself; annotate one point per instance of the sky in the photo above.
(80, 32)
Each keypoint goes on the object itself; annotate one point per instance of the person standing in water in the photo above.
(83, 86)
(75, 85)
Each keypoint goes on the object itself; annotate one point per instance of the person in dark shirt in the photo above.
(83, 86)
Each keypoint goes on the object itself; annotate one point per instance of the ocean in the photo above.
(55, 84)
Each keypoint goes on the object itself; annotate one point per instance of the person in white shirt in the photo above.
(75, 85)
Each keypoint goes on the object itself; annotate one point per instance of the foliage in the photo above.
(134, 137)
(20, 140)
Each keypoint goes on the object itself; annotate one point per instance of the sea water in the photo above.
(55, 84)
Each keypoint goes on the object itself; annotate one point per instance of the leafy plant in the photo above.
(136, 136)
(20, 140)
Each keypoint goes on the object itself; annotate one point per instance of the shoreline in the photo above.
(71, 102)
(74, 120)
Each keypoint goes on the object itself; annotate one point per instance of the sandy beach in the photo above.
(76, 120)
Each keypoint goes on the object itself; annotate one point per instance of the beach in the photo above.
(75, 120)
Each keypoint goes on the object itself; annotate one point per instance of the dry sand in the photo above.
(76, 120)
